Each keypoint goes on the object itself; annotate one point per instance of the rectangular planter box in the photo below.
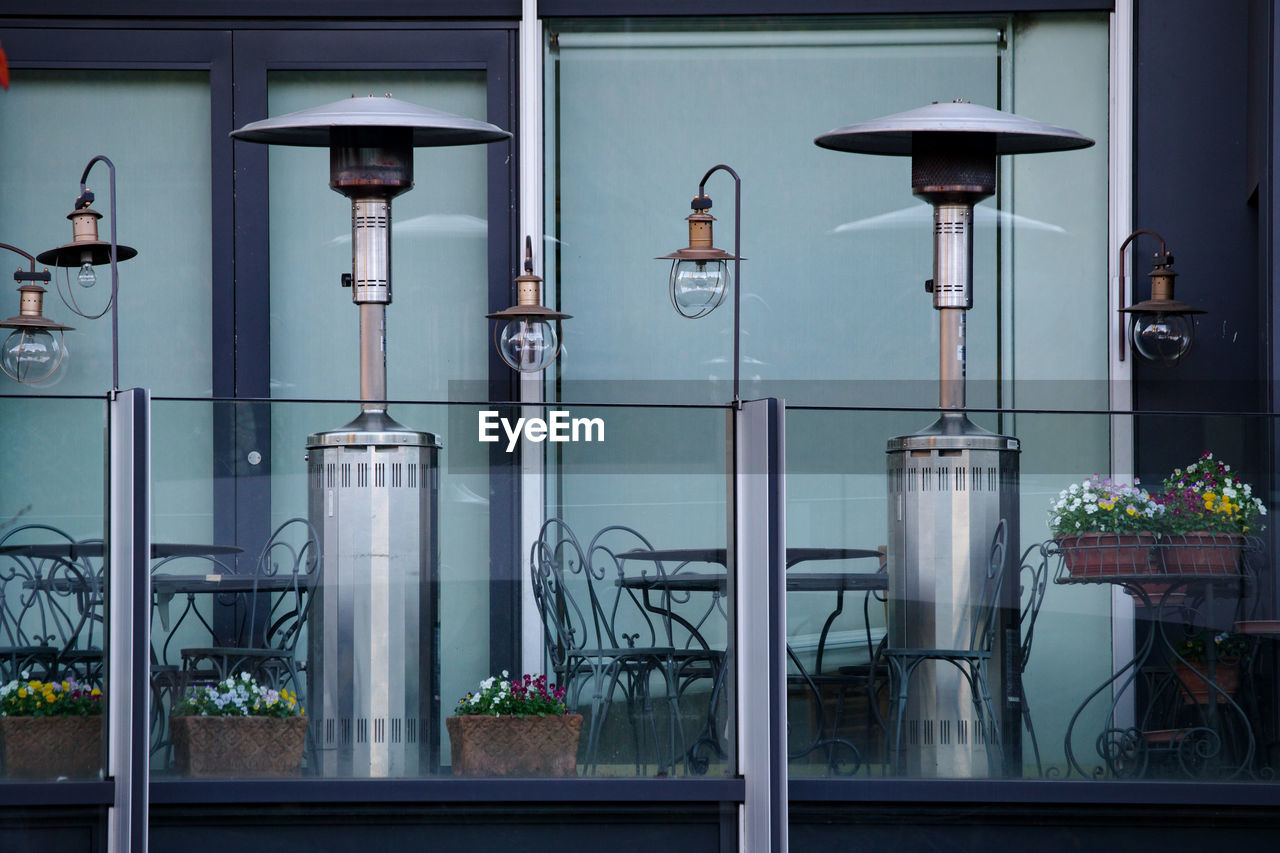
(238, 747)
(51, 747)
(514, 746)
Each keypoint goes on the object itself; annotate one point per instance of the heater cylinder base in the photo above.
(948, 491)
(373, 670)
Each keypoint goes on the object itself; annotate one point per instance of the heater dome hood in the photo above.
(428, 127)
(895, 134)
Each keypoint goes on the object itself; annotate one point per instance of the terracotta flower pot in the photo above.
(1107, 554)
(50, 747)
(1226, 677)
(514, 746)
(1202, 553)
(238, 746)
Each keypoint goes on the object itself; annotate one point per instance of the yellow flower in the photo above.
(66, 686)
(22, 693)
(95, 692)
(1131, 511)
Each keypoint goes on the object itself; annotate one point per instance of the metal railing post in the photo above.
(761, 625)
(128, 676)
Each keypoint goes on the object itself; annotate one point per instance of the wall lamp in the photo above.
(525, 334)
(86, 251)
(1161, 328)
(34, 351)
(700, 272)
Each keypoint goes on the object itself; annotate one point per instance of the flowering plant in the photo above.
(1098, 505)
(239, 697)
(1205, 496)
(33, 698)
(528, 696)
(1227, 647)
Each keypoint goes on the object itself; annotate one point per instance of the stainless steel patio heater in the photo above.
(950, 484)
(373, 642)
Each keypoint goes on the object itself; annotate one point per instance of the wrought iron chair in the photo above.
(692, 659)
(580, 604)
(268, 625)
(971, 662)
(51, 606)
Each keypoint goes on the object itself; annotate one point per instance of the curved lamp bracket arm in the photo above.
(31, 259)
(1164, 250)
(85, 197)
(737, 269)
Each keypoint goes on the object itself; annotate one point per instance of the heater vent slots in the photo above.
(921, 732)
(413, 476)
(944, 478)
(991, 479)
(346, 475)
(397, 475)
(913, 478)
(380, 475)
(411, 730)
(362, 730)
(975, 478)
(343, 733)
(331, 475)
(362, 475)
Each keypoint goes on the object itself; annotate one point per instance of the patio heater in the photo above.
(373, 671)
(951, 483)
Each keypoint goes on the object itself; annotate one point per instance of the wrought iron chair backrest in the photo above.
(585, 613)
(1034, 578)
(293, 551)
(982, 634)
(628, 619)
(556, 562)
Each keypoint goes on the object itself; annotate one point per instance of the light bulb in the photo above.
(87, 277)
(527, 344)
(1162, 338)
(33, 355)
(698, 287)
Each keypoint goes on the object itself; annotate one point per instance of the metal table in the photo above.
(680, 581)
(1192, 738)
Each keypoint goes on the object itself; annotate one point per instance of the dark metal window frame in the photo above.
(239, 55)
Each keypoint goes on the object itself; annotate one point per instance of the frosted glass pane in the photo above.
(838, 248)
(436, 331)
(51, 124)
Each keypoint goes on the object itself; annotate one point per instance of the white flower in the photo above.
(1075, 487)
(1091, 509)
(1228, 491)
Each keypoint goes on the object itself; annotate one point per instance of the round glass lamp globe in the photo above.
(87, 276)
(528, 345)
(33, 355)
(1162, 338)
(698, 287)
